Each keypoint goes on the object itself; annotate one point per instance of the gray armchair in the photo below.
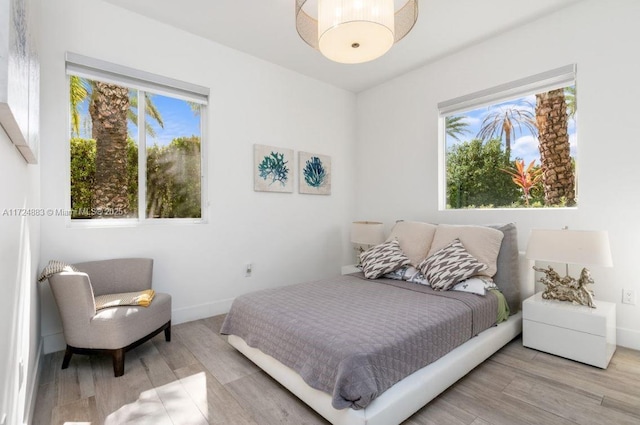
(112, 330)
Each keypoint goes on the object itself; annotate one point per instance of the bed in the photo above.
(362, 351)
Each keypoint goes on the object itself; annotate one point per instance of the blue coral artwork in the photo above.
(272, 169)
(315, 173)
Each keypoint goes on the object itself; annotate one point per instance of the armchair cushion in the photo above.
(120, 326)
(142, 298)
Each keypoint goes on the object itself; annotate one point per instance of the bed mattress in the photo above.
(354, 338)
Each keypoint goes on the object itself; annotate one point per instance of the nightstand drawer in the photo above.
(566, 315)
(574, 345)
(576, 332)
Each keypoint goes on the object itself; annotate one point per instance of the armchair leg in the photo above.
(118, 362)
(167, 332)
(67, 357)
(117, 355)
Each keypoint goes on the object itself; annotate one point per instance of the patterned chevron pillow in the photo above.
(449, 266)
(383, 258)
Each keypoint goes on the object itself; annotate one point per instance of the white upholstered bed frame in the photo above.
(413, 392)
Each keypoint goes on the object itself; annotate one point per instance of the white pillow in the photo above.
(408, 274)
(473, 285)
(480, 241)
(415, 239)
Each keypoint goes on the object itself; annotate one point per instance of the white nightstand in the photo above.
(351, 268)
(577, 332)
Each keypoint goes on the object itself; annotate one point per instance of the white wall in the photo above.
(19, 307)
(289, 238)
(398, 133)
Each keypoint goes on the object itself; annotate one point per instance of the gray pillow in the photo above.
(507, 277)
(450, 265)
(382, 259)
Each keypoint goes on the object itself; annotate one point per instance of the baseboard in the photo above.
(628, 338)
(53, 342)
(32, 389)
(202, 311)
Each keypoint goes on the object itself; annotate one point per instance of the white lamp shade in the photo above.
(367, 232)
(355, 31)
(582, 247)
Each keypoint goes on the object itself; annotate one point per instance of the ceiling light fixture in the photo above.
(354, 31)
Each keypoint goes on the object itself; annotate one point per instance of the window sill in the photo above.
(133, 222)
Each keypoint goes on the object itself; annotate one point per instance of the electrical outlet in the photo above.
(629, 296)
(248, 270)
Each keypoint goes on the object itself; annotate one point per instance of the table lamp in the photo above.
(365, 234)
(583, 247)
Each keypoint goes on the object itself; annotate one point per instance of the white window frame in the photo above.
(95, 69)
(539, 83)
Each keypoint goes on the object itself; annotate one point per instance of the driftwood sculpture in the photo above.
(567, 288)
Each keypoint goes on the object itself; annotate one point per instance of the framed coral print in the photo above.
(315, 173)
(19, 78)
(272, 169)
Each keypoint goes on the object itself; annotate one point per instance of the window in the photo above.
(136, 144)
(511, 146)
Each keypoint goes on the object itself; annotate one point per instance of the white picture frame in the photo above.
(314, 174)
(272, 169)
(19, 79)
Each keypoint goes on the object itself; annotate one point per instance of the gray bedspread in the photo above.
(354, 338)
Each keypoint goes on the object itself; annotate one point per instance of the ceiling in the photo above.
(266, 29)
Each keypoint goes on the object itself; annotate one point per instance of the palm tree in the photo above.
(456, 126)
(506, 120)
(570, 98)
(150, 110)
(77, 94)
(558, 177)
(81, 89)
(108, 108)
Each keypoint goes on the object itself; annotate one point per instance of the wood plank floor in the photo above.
(199, 379)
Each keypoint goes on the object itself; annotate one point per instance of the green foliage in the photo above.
(456, 126)
(132, 174)
(570, 99)
(173, 178)
(150, 110)
(83, 169)
(77, 94)
(474, 176)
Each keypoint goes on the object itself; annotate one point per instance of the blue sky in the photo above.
(179, 121)
(523, 144)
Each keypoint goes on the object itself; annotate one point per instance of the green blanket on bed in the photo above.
(503, 307)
